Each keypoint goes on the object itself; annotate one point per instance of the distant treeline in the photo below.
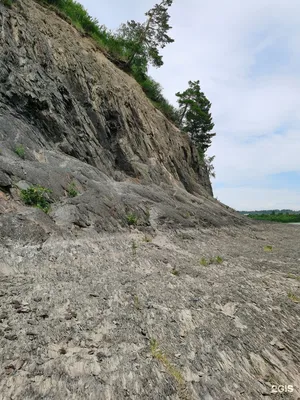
(280, 217)
(270, 212)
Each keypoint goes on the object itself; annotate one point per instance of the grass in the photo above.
(20, 151)
(175, 272)
(132, 219)
(280, 217)
(134, 247)
(293, 297)
(72, 190)
(7, 3)
(217, 260)
(268, 248)
(292, 276)
(37, 196)
(137, 304)
(158, 355)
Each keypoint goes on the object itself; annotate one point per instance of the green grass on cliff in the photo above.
(115, 47)
(285, 218)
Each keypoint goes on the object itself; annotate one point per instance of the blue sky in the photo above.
(246, 56)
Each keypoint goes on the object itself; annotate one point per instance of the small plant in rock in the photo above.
(20, 151)
(219, 260)
(137, 302)
(72, 190)
(204, 262)
(134, 247)
(132, 219)
(293, 297)
(37, 196)
(175, 272)
(7, 3)
(292, 276)
(161, 357)
(268, 248)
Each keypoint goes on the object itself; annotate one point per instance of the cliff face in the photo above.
(80, 119)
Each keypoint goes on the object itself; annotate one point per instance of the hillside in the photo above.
(121, 277)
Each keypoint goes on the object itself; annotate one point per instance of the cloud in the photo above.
(246, 56)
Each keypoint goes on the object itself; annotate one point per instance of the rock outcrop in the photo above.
(80, 120)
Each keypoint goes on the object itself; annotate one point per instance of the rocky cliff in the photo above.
(80, 120)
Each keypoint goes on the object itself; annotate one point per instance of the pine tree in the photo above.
(143, 40)
(196, 118)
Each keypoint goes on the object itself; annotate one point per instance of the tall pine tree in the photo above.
(195, 118)
(143, 40)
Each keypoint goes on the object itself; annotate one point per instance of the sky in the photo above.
(246, 55)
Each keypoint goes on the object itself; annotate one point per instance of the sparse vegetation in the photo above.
(72, 190)
(175, 272)
(137, 302)
(158, 355)
(134, 247)
(216, 260)
(7, 3)
(292, 276)
(132, 219)
(268, 248)
(20, 151)
(37, 196)
(293, 297)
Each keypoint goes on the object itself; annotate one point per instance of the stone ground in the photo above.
(134, 316)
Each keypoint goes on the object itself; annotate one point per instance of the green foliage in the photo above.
(216, 260)
(285, 218)
(132, 219)
(293, 297)
(7, 3)
(37, 196)
(145, 39)
(268, 248)
(175, 272)
(161, 357)
(72, 190)
(196, 119)
(20, 151)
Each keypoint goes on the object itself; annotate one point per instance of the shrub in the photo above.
(72, 190)
(131, 219)
(20, 151)
(37, 196)
(7, 3)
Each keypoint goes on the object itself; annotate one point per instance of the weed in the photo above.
(37, 196)
(134, 246)
(137, 303)
(7, 3)
(20, 151)
(217, 260)
(158, 355)
(293, 297)
(268, 248)
(175, 272)
(72, 190)
(203, 262)
(131, 219)
(292, 276)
